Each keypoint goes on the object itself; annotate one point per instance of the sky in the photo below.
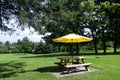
(18, 34)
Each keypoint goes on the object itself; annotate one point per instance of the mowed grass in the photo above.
(39, 67)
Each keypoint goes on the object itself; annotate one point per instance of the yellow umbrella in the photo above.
(72, 38)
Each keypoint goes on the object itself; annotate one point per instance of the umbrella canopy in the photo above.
(72, 38)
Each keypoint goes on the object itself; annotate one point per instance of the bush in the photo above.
(44, 48)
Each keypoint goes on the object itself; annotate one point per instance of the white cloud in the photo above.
(18, 34)
(4, 36)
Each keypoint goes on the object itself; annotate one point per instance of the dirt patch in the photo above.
(74, 72)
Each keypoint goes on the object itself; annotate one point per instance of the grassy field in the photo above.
(39, 67)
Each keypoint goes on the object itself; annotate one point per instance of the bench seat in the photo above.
(70, 67)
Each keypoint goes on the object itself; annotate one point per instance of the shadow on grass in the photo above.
(45, 69)
(108, 53)
(50, 69)
(10, 69)
(47, 55)
(67, 54)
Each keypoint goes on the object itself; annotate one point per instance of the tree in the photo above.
(66, 17)
(1, 47)
(24, 45)
(7, 46)
(25, 12)
(43, 48)
(113, 10)
(91, 20)
(103, 30)
(60, 17)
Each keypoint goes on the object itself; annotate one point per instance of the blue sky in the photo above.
(18, 34)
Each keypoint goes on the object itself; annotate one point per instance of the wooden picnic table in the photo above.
(75, 60)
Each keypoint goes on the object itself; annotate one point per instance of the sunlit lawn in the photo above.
(38, 67)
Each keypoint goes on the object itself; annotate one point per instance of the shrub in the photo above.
(44, 48)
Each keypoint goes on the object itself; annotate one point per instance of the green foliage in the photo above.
(1, 47)
(112, 12)
(44, 48)
(6, 47)
(60, 17)
(109, 44)
(24, 45)
(87, 46)
(25, 13)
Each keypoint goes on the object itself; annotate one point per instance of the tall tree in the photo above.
(91, 20)
(60, 17)
(113, 10)
(24, 45)
(103, 24)
(25, 12)
(65, 17)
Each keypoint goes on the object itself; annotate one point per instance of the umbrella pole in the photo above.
(77, 48)
(70, 48)
(71, 52)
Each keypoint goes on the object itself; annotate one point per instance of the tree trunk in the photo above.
(103, 40)
(115, 42)
(115, 47)
(104, 47)
(94, 42)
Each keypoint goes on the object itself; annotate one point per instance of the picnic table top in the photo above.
(71, 57)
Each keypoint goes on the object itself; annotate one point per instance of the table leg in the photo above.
(83, 61)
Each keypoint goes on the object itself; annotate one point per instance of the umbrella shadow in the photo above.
(50, 69)
(46, 55)
(67, 54)
(10, 69)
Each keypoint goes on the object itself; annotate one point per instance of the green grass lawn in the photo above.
(38, 67)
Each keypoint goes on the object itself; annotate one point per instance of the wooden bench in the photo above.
(70, 67)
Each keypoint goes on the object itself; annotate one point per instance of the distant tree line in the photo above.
(26, 46)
